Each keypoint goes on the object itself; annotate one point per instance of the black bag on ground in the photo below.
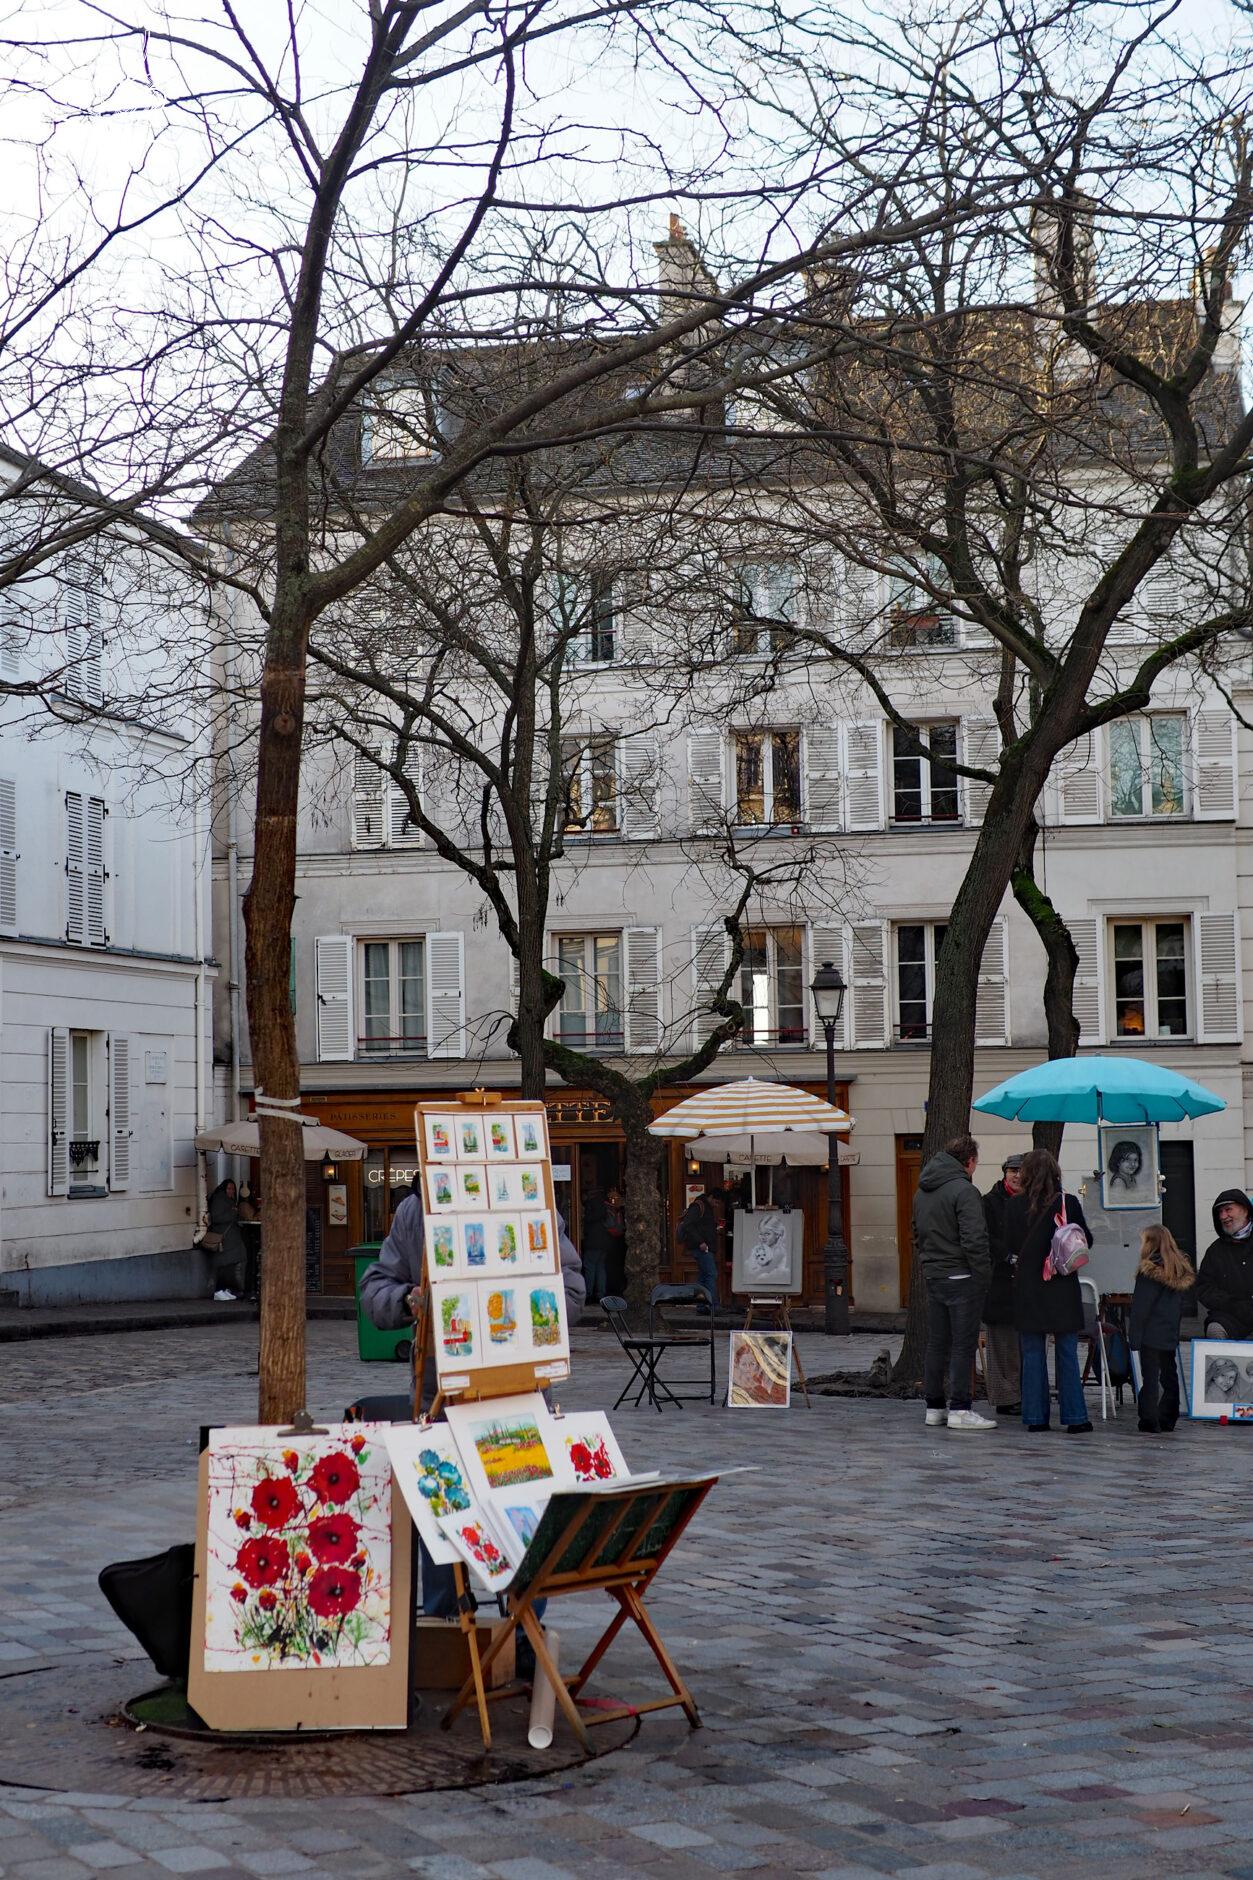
(1117, 1357)
(152, 1598)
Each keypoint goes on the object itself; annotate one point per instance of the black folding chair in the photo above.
(643, 1350)
(689, 1295)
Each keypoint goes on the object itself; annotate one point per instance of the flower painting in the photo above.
(481, 1548)
(590, 1449)
(298, 1563)
(431, 1477)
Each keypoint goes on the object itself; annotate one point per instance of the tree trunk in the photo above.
(1010, 810)
(268, 908)
(1059, 977)
(645, 1215)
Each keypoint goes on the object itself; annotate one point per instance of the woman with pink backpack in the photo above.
(1040, 1234)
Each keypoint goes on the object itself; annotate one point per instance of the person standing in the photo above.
(1000, 1334)
(952, 1240)
(594, 1239)
(1164, 1276)
(615, 1229)
(1224, 1284)
(697, 1234)
(1046, 1308)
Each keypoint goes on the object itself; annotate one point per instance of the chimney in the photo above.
(1046, 227)
(1227, 346)
(683, 280)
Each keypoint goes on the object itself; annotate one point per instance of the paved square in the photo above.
(944, 1656)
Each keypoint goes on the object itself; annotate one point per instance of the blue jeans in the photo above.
(595, 1274)
(706, 1272)
(1035, 1378)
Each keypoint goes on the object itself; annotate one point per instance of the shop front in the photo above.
(353, 1202)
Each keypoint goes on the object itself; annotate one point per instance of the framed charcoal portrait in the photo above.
(767, 1253)
(1222, 1379)
(1129, 1166)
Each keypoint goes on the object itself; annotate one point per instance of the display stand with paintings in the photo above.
(767, 1267)
(611, 1540)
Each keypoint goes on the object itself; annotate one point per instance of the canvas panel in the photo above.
(768, 1252)
(1222, 1380)
(760, 1371)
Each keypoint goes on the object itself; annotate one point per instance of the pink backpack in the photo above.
(1068, 1249)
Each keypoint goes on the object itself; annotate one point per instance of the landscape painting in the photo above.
(505, 1446)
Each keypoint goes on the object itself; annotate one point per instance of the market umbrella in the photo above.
(753, 1118)
(1097, 1089)
(244, 1138)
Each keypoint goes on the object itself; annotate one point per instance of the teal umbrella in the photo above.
(1099, 1090)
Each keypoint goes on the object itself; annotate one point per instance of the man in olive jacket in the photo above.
(952, 1238)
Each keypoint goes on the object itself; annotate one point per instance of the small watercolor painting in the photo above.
(456, 1324)
(469, 1139)
(441, 1248)
(545, 1318)
(439, 1138)
(443, 1195)
(500, 1140)
(590, 1448)
(532, 1136)
(500, 1317)
(472, 1184)
(474, 1231)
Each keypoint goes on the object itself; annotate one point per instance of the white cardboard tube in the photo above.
(539, 1729)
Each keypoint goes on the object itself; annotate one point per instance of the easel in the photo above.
(505, 1380)
(590, 1541)
(780, 1311)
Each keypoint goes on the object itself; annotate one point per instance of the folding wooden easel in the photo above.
(780, 1311)
(594, 1540)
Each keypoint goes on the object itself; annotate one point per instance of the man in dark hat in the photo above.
(1000, 1334)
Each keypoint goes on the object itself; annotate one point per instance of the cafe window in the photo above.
(1150, 962)
(386, 1178)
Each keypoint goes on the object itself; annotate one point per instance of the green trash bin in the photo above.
(373, 1346)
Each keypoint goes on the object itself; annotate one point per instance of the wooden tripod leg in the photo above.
(634, 1605)
(544, 1662)
(598, 1650)
(469, 1626)
(796, 1357)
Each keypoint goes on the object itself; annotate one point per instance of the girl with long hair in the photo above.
(1045, 1308)
(1165, 1274)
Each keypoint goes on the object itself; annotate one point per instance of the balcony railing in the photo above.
(404, 1045)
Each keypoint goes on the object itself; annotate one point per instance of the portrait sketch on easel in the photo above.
(767, 1252)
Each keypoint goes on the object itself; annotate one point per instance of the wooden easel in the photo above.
(780, 1311)
(591, 1541)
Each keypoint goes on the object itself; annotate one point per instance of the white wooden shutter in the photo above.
(643, 973)
(822, 777)
(827, 943)
(863, 773)
(8, 855)
(1078, 773)
(401, 832)
(119, 1112)
(1159, 597)
(633, 624)
(992, 996)
(981, 745)
(58, 1110)
(84, 643)
(704, 780)
(869, 957)
(94, 870)
(1217, 944)
(1089, 1002)
(75, 868)
(368, 828)
(1214, 766)
(332, 978)
(639, 777)
(711, 949)
(861, 601)
(10, 647)
(445, 995)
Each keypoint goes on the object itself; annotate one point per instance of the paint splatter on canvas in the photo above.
(298, 1572)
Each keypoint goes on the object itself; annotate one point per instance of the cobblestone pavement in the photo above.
(915, 1653)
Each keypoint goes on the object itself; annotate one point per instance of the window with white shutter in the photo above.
(981, 746)
(1214, 766)
(992, 995)
(8, 855)
(1078, 774)
(823, 777)
(58, 1110)
(1088, 998)
(640, 779)
(826, 946)
(332, 977)
(868, 959)
(85, 873)
(445, 995)
(119, 1111)
(369, 810)
(1219, 1014)
(863, 773)
(402, 831)
(643, 1011)
(84, 640)
(711, 952)
(95, 870)
(704, 774)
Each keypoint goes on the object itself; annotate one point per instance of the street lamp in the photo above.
(828, 993)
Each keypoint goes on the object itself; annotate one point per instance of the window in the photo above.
(590, 770)
(772, 986)
(1146, 765)
(917, 950)
(393, 998)
(767, 777)
(924, 790)
(86, 1068)
(584, 613)
(404, 426)
(1150, 978)
(589, 1017)
(84, 640)
(763, 608)
(917, 618)
(85, 874)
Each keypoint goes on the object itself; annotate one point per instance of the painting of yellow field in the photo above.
(760, 1371)
(506, 1444)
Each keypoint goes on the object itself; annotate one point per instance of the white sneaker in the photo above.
(223, 1294)
(936, 1419)
(969, 1420)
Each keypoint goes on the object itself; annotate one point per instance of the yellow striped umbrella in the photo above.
(765, 1122)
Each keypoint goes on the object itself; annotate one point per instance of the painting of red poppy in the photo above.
(298, 1562)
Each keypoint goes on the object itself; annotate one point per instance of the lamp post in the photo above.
(828, 995)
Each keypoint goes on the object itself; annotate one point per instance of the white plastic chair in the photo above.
(1093, 1328)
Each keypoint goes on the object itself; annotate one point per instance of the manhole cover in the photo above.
(65, 1730)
